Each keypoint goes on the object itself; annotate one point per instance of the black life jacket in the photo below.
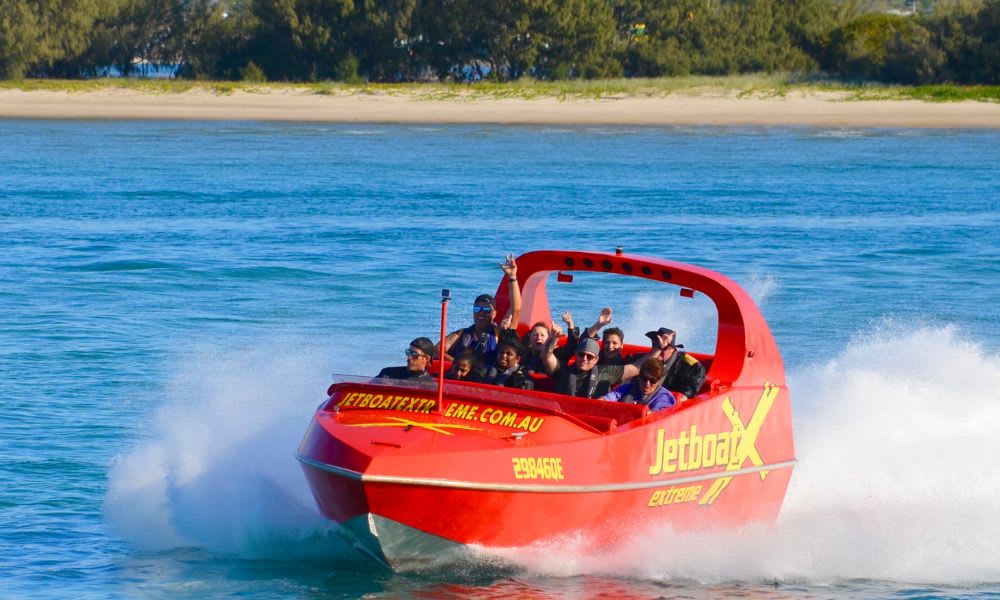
(592, 384)
(483, 346)
(512, 378)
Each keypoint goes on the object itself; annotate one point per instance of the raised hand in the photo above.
(605, 317)
(510, 266)
(567, 318)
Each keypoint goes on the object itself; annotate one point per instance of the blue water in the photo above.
(175, 296)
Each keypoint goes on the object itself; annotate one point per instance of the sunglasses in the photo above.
(415, 354)
(481, 309)
(649, 379)
(586, 356)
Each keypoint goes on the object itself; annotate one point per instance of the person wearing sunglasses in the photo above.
(418, 360)
(646, 389)
(682, 372)
(484, 335)
(585, 377)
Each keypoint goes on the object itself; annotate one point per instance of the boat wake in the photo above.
(895, 440)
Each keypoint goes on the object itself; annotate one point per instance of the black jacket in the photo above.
(592, 384)
(684, 374)
(518, 379)
(404, 373)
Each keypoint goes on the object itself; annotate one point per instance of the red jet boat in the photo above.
(410, 477)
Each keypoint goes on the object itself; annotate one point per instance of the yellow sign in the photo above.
(537, 468)
(748, 449)
(691, 450)
(398, 422)
(675, 495)
(494, 416)
(387, 402)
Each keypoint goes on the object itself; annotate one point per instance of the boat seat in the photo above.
(587, 408)
(602, 424)
(543, 383)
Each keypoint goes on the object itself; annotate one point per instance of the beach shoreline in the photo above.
(720, 108)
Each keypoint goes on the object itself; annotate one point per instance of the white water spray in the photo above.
(218, 470)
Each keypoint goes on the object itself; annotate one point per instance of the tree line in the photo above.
(955, 41)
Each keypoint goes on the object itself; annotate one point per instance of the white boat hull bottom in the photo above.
(401, 547)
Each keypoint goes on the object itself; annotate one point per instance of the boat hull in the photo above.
(409, 494)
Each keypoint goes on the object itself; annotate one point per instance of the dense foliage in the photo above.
(417, 40)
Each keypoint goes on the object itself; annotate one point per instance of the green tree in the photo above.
(20, 38)
(379, 38)
(192, 48)
(224, 46)
(300, 40)
(141, 32)
(436, 43)
(811, 24)
(504, 34)
(667, 46)
(968, 33)
(35, 36)
(576, 38)
(885, 47)
(913, 58)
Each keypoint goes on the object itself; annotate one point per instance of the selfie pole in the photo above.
(445, 297)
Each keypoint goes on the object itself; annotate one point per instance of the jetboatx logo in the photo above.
(691, 450)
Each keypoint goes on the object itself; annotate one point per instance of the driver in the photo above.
(418, 359)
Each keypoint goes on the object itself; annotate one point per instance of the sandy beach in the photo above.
(719, 108)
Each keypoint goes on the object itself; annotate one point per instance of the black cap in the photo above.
(589, 345)
(654, 336)
(487, 299)
(425, 345)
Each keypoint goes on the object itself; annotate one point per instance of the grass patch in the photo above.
(926, 93)
(742, 86)
(954, 93)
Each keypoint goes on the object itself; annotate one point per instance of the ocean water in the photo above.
(174, 298)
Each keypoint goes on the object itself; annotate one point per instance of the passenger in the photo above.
(418, 359)
(683, 372)
(483, 336)
(611, 348)
(535, 339)
(645, 389)
(463, 368)
(586, 378)
(508, 371)
(603, 319)
(613, 339)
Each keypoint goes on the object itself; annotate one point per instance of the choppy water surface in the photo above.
(176, 295)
